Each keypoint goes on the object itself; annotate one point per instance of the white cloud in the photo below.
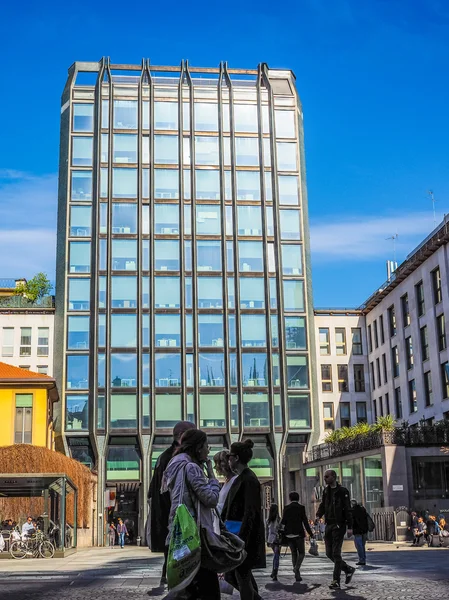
(28, 212)
(363, 237)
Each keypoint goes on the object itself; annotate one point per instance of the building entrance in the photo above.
(127, 508)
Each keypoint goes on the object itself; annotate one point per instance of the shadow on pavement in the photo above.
(295, 588)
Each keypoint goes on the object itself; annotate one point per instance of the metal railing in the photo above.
(423, 435)
(22, 302)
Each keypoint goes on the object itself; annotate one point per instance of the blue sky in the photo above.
(373, 81)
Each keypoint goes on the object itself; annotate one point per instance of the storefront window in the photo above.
(374, 491)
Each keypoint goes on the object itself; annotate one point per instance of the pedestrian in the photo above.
(336, 509)
(160, 502)
(273, 538)
(294, 524)
(111, 534)
(185, 473)
(122, 531)
(242, 513)
(8, 525)
(28, 528)
(419, 532)
(360, 529)
(222, 469)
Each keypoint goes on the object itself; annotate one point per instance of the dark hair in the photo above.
(223, 455)
(294, 496)
(244, 450)
(191, 441)
(274, 513)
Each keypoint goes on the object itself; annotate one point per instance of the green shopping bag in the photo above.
(184, 553)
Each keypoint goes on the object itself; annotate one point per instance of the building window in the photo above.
(379, 380)
(370, 339)
(405, 310)
(42, 341)
(398, 402)
(295, 330)
(361, 412)
(420, 305)
(328, 414)
(392, 321)
(293, 295)
(326, 378)
(381, 327)
(359, 378)
(342, 371)
(445, 380)
(441, 332)
(409, 352)
(384, 365)
(436, 285)
(83, 117)
(412, 399)
(8, 341)
(77, 411)
(125, 114)
(82, 151)
(428, 395)
(340, 341)
(424, 343)
(381, 407)
(297, 370)
(42, 369)
(79, 257)
(23, 423)
(356, 333)
(373, 375)
(395, 361)
(387, 403)
(376, 335)
(25, 341)
(79, 294)
(324, 341)
(345, 414)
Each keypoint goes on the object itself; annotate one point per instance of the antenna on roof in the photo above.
(392, 265)
(432, 197)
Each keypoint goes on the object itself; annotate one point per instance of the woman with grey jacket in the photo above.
(184, 475)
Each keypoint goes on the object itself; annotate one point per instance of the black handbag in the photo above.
(371, 524)
(222, 552)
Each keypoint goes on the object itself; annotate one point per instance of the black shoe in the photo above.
(274, 575)
(362, 564)
(163, 581)
(298, 577)
(335, 585)
(349, 575)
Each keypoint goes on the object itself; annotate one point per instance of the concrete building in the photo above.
(26, 330)
(183, 273)
(342, 369)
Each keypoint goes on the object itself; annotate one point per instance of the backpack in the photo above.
(371, 524)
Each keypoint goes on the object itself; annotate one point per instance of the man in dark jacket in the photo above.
(293, 524)
(360, 529)
(336, 509)
(160, 502)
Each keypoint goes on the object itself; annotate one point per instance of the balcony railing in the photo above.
(22, 302)
(424, 435)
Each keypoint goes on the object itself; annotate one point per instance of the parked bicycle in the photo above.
(37, 546)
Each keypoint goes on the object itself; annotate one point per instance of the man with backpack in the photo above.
(362, 523)
(336, 508)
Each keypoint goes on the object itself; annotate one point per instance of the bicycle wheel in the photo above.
(18, 549)
(46, 549)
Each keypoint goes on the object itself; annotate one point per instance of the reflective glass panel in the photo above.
(79, 257)
(123, 415)
(295, 333)
(166, 183)
(212, 410)
(288, 189)
(82, 151)
(80, 221)
(250, 256)
(246, 152)
(299, 411)
(210, 292)
(188, 292)
(231, 331)
(291, 260)
(231, 292)
(105, 114)
(83, 117)
(290, 226)
(232, 366)
(168, 410)
(145, 219)
(167, 370)
(188, 255)
(210, 330)
(124, 148)
(124, 183)
(189, 331)
(78, 372)
(297, 372)
(166, 149)
(101, 341)
(207, 185)
(103, 217)
(234, 410)
(123, 370)
(123, 331)
(166, 292)
(166, 115)
(273, 293)
(190, 381)
(254, 369)
(208, 255)
(293, 295)
(274, 330)
(284, 121)
(124, 218)
(145, 292)
(252, 292)
(78, 333)
(125, 114)
(101, 370)
(208, 219)
(166, 218)
(248, 185)
(145, 330)
(124, 255)
(77, 412)
(249, 220)
(255, 410)
(79, 294)
(206, 150)
(167, 331)
(286, 156)
(245, 118)
(82, 185)
(253, 330)
(211, 369)
(230, 256)
(166, 255)
(206, 116)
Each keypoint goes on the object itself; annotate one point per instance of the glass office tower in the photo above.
(183, 277)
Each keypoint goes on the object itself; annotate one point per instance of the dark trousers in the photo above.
(243, 579)
(164, 566)
(333, 539)
(297, 548)
(204, 586)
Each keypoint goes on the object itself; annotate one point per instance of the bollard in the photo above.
(138, 540)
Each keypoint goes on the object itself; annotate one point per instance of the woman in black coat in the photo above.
(243, 506)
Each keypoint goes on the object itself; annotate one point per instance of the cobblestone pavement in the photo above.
(101, 574)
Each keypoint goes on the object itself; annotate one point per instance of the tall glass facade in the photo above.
(182, 228)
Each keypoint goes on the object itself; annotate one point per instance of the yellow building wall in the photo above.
(8, 411)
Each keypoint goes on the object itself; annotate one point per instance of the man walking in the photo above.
(294, 522)
(336, 509)
(360, 529)
(160, 502)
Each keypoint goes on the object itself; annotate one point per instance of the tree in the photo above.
(35, 288)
